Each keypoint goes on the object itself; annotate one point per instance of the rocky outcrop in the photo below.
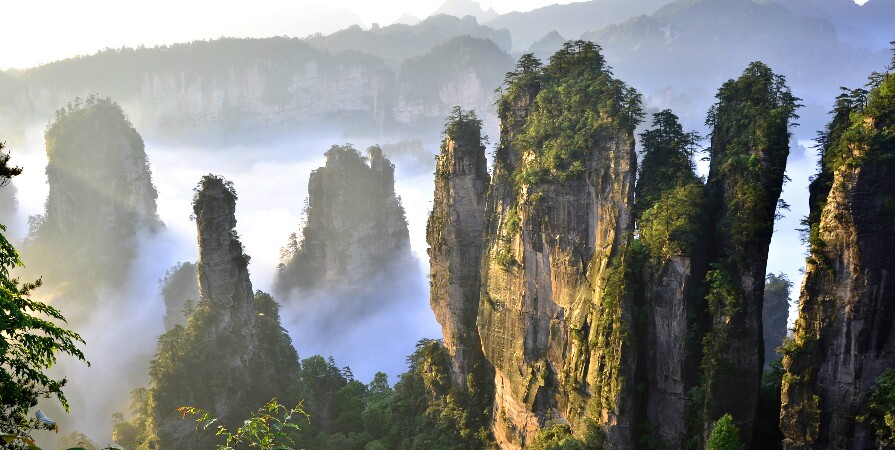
(552, 316)
(749, 149)
(775, 315)
(455, 234)
(223, 267)
(670, 211)
(233, 356)
(180, 292)
(355, 227)
(626, 339)
(101, 198)
(844, 337)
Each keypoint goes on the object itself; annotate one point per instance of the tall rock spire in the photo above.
(845, 334)
(232, 356)
(455, 234)
(223, 267)
(101, 198)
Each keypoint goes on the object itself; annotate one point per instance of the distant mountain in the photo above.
(348, 80)
(406, 19)
(570, 20)
(462, 8)
(685, 49)
(547, 45)
(869, 26)
(395, 43)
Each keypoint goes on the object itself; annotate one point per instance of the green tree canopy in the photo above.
(30, 339)
(725, 436)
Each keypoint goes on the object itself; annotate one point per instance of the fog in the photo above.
(368, 328)
(270, 179)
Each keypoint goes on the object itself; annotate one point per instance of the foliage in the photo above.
(667, 159)
(6, 171)
(193, 365)
(577, 105)
(673, 225)
(134, 433)
(749, 148)
(725, 435)
(464, 128)
(556, 437)
(267, 429)
(881, 407)
(31, 339)
(78, 440)
(861, 127)
(428, 412)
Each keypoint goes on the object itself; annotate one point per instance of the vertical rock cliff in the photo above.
(455, 234)
(775, 315)
(844, 338)
(749, 148)
(233, 355)
(355, 226)
(622, 340)
(101, 198)
(553, 316)
(223, 267)
(670, 211)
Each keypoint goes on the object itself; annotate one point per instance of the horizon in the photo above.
(94, 25)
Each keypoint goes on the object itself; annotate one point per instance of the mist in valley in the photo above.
(260, 108)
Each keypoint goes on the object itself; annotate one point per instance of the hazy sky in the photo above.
(40, 31)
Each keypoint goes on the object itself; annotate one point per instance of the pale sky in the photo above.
(34, 32)
(39, 31)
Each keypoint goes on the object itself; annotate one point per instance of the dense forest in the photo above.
(601, 274)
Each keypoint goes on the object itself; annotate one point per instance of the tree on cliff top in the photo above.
(578, 104)
(30, 342)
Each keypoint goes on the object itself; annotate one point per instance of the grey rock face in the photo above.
(844, 333)
(455, 234)
(101, 198)
(544, 321)
(355, 224)
(223, 268)
(775, 315)
(671, 363)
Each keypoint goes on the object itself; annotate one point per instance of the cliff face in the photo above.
(233, 356)
(629, 340)
(670, 211)
(223, 268)
(749, 149)
(101, 197)
(243, 83)
(775, 315)
(355, 226)
(455, 234)
(844, 338)
(550, 323)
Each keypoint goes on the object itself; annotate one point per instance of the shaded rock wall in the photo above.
(101, 198)
(455, 234)
(355, 225)
(844, 338)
